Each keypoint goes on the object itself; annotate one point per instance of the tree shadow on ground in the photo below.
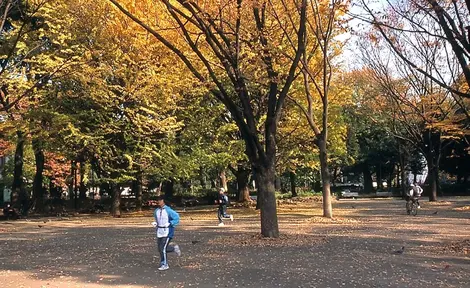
(112, 252)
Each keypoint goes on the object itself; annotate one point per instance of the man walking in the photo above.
(165, 221)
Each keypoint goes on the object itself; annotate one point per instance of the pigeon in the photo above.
(195, 241)
(353, 207)
(40, 226)
(399, 252)
(434, 213)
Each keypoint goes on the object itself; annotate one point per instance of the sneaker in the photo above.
(231, 217)
(419, 207)
(177, 250)
(221, 224)
(164, 267)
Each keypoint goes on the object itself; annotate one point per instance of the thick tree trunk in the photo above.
(169, 188)
(82, 187)
(72, 172)
(243, 175)
(38, 190)
(379, 178)
(335, 175)
(18, 189)
(116, 201)
(75, 184)
(265, 178)
(368, 187)
(278, 184)
(432, 179)
(292, 184)
(138, 191)
(432, 148)
(202, 178)
(223, 180)
(325, 178)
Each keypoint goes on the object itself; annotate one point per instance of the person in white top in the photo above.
(415, 192)
(165, 221)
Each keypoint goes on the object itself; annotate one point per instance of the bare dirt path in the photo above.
(353, 250)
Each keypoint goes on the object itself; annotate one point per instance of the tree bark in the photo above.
(292, 184)
(325, 177)
(18, 189)
(243, 175)
(75, 184)
(432, 178)
(82, 187)
(116, 201)
(202, 178)
(368, 187)
(265, 177)
(138, 191)
(379, 177)
(38, 191)
(169, 188)
(223, 179)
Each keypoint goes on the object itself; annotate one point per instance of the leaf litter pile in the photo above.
(257, 240)
(459, 247)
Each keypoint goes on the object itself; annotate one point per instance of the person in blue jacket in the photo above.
(222, 200)
(166, 219)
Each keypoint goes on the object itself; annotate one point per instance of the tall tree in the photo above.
(236, 35)
(410, 27)
(318, 71)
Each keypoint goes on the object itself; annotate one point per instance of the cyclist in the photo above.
(414, 193)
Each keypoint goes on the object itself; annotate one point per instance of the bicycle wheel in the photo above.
(408, 207)
(414, 209)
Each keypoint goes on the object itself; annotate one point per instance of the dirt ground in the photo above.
(355, 249)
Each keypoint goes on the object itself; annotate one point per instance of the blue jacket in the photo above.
(173, 218)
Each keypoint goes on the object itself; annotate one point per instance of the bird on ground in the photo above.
(434, 213)
(40, 226)
(195, 241)
(399, 252)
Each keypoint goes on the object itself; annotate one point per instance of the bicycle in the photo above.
(412, 207)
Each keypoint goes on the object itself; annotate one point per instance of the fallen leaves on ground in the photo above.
(438, 203)
(458, 247)
(257, 240)
(463, 208)
(318, 219)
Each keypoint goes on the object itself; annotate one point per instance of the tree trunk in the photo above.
(38, 191)
(278, 184)
(265, 178)
(335, 175)
(292, 184)
(169, 188)
(432, 179)
(223, 180)
(325, 178)
(202, 178)
(138, 191)
(243, 175)
(18, 189)
(368, 187)
(432, 148)
(379, 177)
(82, 187)
(75, 185)
(116, 201)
